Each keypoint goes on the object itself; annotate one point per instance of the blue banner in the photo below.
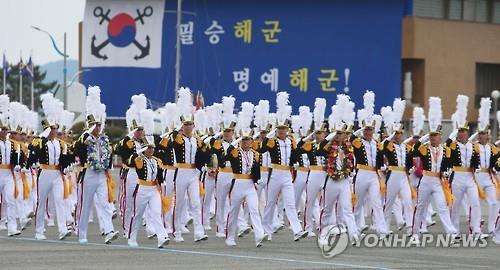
(252, 49)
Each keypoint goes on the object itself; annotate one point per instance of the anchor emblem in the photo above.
(121, 32)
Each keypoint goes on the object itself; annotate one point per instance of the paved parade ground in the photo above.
(281, 253)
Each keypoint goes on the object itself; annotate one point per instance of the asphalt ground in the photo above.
(23, 252)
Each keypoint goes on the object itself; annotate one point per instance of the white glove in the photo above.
(261, 182)
(236, 142)
(473, 137)
(358, 132)
(179, 127)
(25, 170)
(308, 137)
(407, 140)
(207, 139)
(384, 168)
(271, 133)
(35, 165)
(412, 170)
(295, 166)
(477, 171)
(17, 168)
(453, 134)
(256, 135)
(424, 138)
(66, 170)
(330, 136)
(204, 168)
(218, 134)
(390, 137)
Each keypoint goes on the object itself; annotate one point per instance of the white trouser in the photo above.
(93, 183)
(338, 191)
(168, 190)
(147, 196)
(222, 187)
(50, 182)
(187, 182)
(314, 185)
(261, 190)
(431, 186)
(462, 184)
(366, 186)
(397, 210)
(299, 186)
(32, 183)
(208, 197)
(8, 200)
(280, 181)
(130, 184)
(415, 180)
(398, 184)
(244, 190)
(486, 182)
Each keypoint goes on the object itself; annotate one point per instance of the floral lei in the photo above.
(347, 161)
(98, 153)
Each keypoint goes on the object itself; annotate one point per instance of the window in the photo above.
(467, 10)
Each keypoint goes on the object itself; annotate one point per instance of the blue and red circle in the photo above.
(121, 30)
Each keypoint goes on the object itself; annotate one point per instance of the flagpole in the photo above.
(4, 75)
(178, 49)
(32, 68)
(20, 86)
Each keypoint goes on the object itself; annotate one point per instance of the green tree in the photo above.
(40, 87)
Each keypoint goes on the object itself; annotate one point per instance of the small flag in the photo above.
(21, 66)
(28, 69)
(5, 65)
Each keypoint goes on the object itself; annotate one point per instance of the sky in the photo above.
(54, 16)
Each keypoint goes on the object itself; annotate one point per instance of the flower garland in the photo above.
(98, 153)
(345, 154)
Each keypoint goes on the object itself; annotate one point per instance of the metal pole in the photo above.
(20, 86)
(33, 90)
(65, 94)
(494, 130)
(4, 75)
(178, 49)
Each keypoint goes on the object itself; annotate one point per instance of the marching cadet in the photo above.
(186, 144)
(339, 158)
(462, 161)
(283, 153)
(94, 152)
(126, 148)
(485, 167)
(8, 185)
(224, 175)
(399, 161)
(53, 159)
(301, 126)
(434, 157)
(368, 152)
(246, 173)
(165, 153)
(317, 173)
(149, 170)
(262, 121)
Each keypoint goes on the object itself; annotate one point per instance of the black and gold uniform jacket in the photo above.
(216, 147)
(193, 152)
(164, 151)
(487, 156)
(16, 155)
(455, 159)
(41, 147)
(392, 152)
(125, 148)
(234, 156)
(423, 151)
(360, 153)
(273, 146)
(313, 152)
(144, 166)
